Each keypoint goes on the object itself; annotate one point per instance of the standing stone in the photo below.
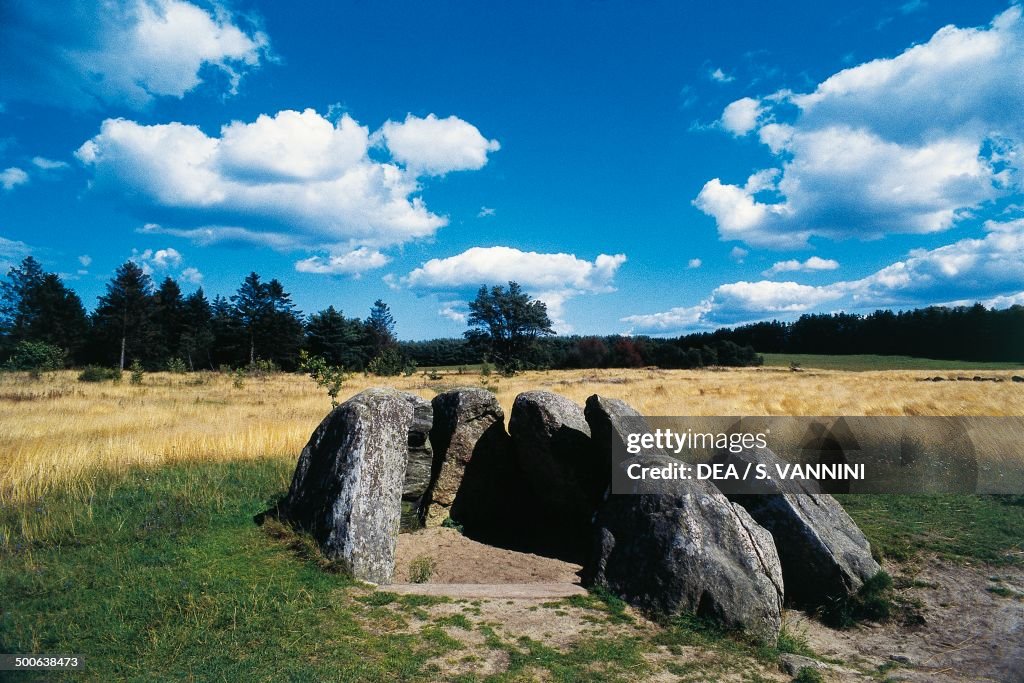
(680, 546)
(559, 464)
(824, 555)
(421, 456)
(347, 486)
(474, 472)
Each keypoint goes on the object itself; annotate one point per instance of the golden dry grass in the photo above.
(58, 432)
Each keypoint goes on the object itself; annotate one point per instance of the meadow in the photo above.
(127, 534)
(58, 432)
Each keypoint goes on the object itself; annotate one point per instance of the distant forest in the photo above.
(156, 326)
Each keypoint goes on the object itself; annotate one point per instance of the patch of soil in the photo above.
(457, 559)
(973, 626)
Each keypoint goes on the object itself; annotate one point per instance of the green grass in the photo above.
(861, 362)
(959, 527)
(165, 576)
(162, 573)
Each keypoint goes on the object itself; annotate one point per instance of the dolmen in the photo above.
(668, 547)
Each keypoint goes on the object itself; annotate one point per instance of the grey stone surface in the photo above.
(681, 546)
(792, 664)
(557, 457)
(474, 469)
(823, 552)
(347, 486)
(421, 455)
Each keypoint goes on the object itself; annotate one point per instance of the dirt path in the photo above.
(457, 559)
(511, 591)
(973, 627)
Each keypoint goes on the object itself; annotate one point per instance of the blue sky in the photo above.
(656, 167)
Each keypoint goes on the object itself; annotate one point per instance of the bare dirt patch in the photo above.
(973, 627)
(457, 559)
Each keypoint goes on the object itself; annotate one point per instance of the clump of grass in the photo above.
(872, 602)
(96, 373)
(457, 621)
(808, 675)
(421, 569)
(794, 643)
(304, 546)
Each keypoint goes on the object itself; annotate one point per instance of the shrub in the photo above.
(97, 373)
(238, 378)
(873, 602)
(326, 376)
(36, 357)
(421, 569)
(388, 363)
(809, 675)
(137, 372)
(262, 368)
(177, 366)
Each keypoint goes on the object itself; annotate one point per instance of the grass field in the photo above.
(862, 362)
(126, 530)
(162, 571)
(57, 431)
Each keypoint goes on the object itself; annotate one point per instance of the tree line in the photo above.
(156, 326)
(137, 321)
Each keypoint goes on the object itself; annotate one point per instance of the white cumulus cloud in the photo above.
(888, 146)
(354, 262)
(124, 52)
(814, 263)
(293, 179)
(552, 278)
(988, 269)
(11, 177)
(433, 146)
(740, 117)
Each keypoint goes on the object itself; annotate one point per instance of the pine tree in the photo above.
(36, 306)
(124, 314)
(281, 333)
(57, 315)
(252, 307)
(197, 335)
(15, 313)
(168, 319)
(506, 324)
(230, 342)
(381, 327)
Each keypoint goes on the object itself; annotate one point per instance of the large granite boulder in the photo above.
(680, 546)
(421, 455)
(559, 464)
(824, 555)
(347, 486)
(474, 474)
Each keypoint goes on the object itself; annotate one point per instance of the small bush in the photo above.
(238, 378)
(450, 523)
(96, 373)
(389, 363)
(421, 569)
(138, 372)
(873, 602)
(177, 366)
(809, 675)
(262, 368)
(794, 643)
(36, 357)
(327, 376)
